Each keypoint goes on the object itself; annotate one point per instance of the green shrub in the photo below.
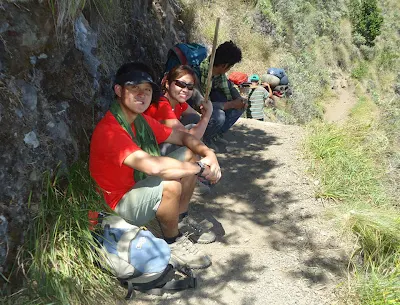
(360, 71)
(342, 55)
(359, 39)
(367, 19)
(368, 52)
(388, 57)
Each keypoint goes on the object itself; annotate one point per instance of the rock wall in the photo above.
(55, 84)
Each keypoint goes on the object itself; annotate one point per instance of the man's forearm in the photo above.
(236, 104)
(184, 169)
(164, 167)
(227, 105)
(169, 168)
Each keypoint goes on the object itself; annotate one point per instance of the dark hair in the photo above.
(138, 66)
(178, 72)
(227, 53)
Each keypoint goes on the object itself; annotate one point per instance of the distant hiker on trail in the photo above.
(173, 111)
(136, 182)
(258, 95)
(228, 105)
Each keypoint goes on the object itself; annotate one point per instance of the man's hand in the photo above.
(246, 102)
(206, 109)
(212, 172)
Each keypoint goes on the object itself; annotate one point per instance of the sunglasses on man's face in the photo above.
(182, 84)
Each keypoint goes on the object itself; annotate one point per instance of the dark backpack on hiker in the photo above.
(138, 259)
(191, 54)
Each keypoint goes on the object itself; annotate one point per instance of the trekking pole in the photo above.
(210, 67)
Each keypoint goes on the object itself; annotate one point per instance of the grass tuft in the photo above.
(341, 158)
(58, 261)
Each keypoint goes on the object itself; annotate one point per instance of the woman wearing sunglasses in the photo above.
(172, 109)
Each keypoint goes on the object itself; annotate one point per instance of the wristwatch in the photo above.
(202, 168)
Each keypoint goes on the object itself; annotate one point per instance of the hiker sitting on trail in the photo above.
(257, 98)
(226, 111)
(136, 182)
(173, 111)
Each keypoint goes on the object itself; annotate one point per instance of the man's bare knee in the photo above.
(172, 188)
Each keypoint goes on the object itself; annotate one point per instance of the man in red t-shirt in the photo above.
(124, 150)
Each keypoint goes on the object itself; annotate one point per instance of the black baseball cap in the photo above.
(135, 74)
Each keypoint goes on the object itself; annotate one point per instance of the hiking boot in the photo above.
(197, 232)
(185, 254)
(219, 138)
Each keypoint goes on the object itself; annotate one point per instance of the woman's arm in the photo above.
(206, 111)
(174, 124)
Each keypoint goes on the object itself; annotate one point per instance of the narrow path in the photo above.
(273, 245)
(339, 108)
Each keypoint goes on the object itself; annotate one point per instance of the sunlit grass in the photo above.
(350, 164)
(344, 169)
(381, 285)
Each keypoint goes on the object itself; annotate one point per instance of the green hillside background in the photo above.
(356, 163)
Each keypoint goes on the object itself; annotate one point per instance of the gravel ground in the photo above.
(274, 245)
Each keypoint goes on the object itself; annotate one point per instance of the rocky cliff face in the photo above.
(55, 84)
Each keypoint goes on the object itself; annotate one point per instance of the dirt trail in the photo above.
(273, 244)
(338, 109)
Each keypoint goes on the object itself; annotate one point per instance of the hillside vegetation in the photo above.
(357, 164)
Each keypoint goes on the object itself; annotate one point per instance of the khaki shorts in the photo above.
(140, 204)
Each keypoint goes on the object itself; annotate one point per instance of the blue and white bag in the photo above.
(278, 72)
(138, 259)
